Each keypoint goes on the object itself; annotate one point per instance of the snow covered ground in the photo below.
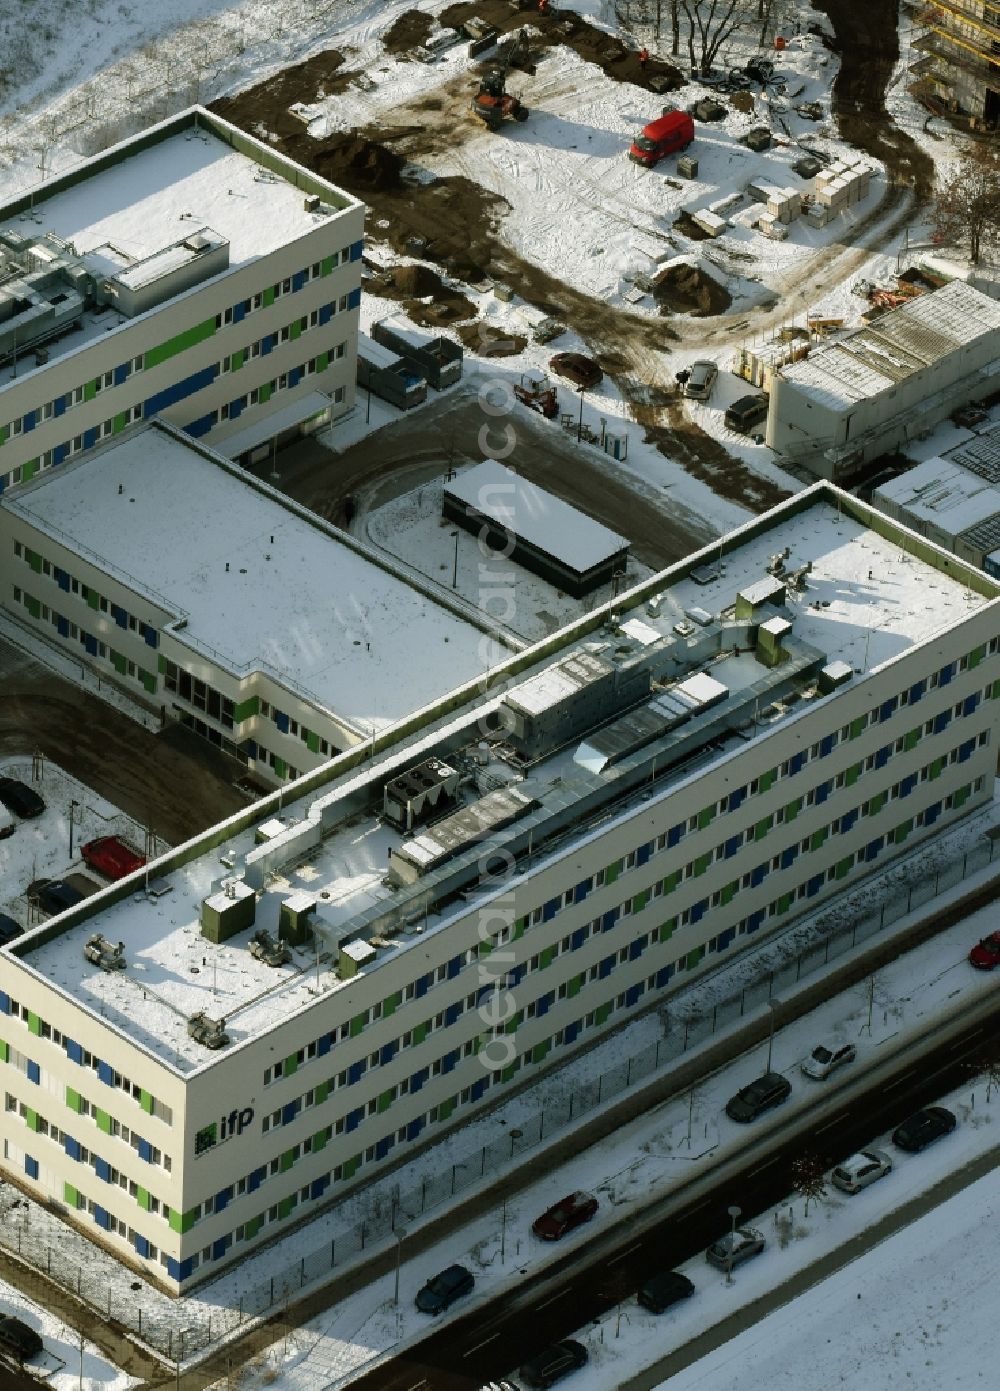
(68, 1365)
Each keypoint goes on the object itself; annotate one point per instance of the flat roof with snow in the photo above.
(535, 516)
(260, 583)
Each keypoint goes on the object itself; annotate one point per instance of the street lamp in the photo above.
(579, 428)
(72, 822)
(770, 1036)
(515, 1135)
(454, 568)
(399, 1233)
(734, 1213)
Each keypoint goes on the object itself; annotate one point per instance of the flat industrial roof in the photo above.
(865, 602)
(258, 581)
(942, 493)
(536, 516)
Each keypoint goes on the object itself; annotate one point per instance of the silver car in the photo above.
(735, 1247)
(826, 1057)
(861, 1170)
(701, 381)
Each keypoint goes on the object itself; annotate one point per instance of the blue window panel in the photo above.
(292, 1108)
(632, 995)
(577, 939)
(62, 626)
(882, 756)
(454, 966)
(636, 949)
(73, 1050)
(571, 1031)
(102, 1169)
(970, 703)
(449, 1060)
(452, 1012)
(30, 420)
(418, 1079)
(726, 937)
(72, 1147)
(517, 974)
(789, 856)
(414, 1128)
(387, 1053)
(119, 615)
(484, 993)
(121, 374)
(178, 1270)
(90, 438)
(550, 909)
(319, 1186)
(674, 834)
(737, 797)
(643, 853)
(932, 813)
(223, 1197)
(888, 708)
(796, 762)
(383, 1146)
(965, 750)
(4, 1002)
(917, 691)
(873, 847)
(582, 890)
(826, 745)
(354, 1118)
(256, 1179)
(294, 376)
(90, 645)
(249, 747)
(61, 578)
(324, 1045)
(663, 975)
(823, 791)
(545, 1003)
(60, 405)
(478, 1088)
(101, 1217)
(299, 279)
(150, 636)
(847, 820)
(106, 1073)
(34, 1073)
(422, 986)
(907, 784)
(945, 674)
(239, 312)
(325, 313)
(59, 453)
(267, 343)
(755, 920)
(814, 885)
(699, 909)
(758, 874)
(200, 427)
(356, 1071)
(235, 410)
(354, 299)
(145, 1151)
(609, 919)
(606, 967)
(281, 721)
(356, 248)
(732, 846)
(141, 1245)
(942, 721)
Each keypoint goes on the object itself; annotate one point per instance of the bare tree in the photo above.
(986, 1064)
(710, 24)
(808, 1177)
(675, 27)
(967, 207)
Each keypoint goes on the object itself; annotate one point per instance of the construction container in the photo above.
(709, 222)
(687, 167)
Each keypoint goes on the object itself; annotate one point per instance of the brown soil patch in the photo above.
(411, 28)
(414, 285)
(686, 225)
(687, 289)
(490, 342)
(357, 163)
(321, 75)
(742, 101)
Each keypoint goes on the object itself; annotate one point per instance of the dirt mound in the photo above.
(686, 289)
(417, 282)
(414, 285)
(490, 342)
(742, 101)
(410, 29)
(357, 164)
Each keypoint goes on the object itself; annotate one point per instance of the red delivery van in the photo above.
(670, 133)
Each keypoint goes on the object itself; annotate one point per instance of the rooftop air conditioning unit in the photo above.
(101, 952)
(264, 948)
(210, 1032)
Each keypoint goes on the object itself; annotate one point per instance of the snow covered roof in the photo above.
(535, 516)
(941, 494)
(259, 583)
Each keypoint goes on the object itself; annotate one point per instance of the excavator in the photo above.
(493, 102)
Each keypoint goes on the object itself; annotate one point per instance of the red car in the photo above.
(110, 856)
(986, 954)
(568, 1213)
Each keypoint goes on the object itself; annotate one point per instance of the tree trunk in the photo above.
(675, 28)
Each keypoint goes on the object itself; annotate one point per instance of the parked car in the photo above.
(19, 798)
(861, 1170)
(19, 1338)
(9, 929)
(747, 412)
(924, 1128)
(663, 1289)
(569, 1212)
(701, 380)
(758, 1096)
(827, 1057)
(735, 1247)
(662, 137)
(54, 895)
(578, 368)
(112, 857)
(985, 955)
(442, 1291)
(554, 1363)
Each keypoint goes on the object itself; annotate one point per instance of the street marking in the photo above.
(552, 1299)
(469, 1351)
(636, 1247)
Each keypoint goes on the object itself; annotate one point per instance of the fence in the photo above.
(158, 1326)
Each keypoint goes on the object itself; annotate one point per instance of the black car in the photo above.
(19, 1338)
(923, 1129)
(759, 1096)
(19, 798)
(9, 929)
(438, 1294)
(663, 1289)
(554, 1363)
(54, 895)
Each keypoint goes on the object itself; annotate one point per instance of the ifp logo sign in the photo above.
(225, 1128)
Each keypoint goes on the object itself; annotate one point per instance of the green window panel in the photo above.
(640, 901)
(246, 708)
(539, 1051)
(485, 948)
(90, 390)
(385, 1100)
(784, 903)
(321, 1092)
(667, 930)
(793, 809)
(546, 957)
(161, 663)
(251, 1228)
(73, 1100)
(34, 1023)
(729, 892)
(319, 1141)
(960, 797)
(902, 831)
(419, 1034)
(852, 775)
(934, 771)
(181, 1222)
(142, 1198)
(601, 1013)
(693, 957)
(390, 1005)
(268, 296)
(103, 1119)
(291, 1065)
(977, 656)
(119, 423)
(706, 817)
(357, 1024)
(876, 803)
(146, 1101)
(286, 1161)
(762, 827)
(995, 692)
(671, 881)
(29, 469)
(446, 1108)
(818, 837)
(351, 1166)
(5, 1051)
(844, 867)
(70, 1196)
(148, 680)
(118, 662)
(508, 1072)
(326, 266)
(280, 767)
(285, 1207)
(31, 1119)
(180, 343)
(857, 727)
(514, 1022)
(612, 872)
(519, 928)
(322, 361)
(295, 329)
(912, 738)
(766, 779)
(312, 741)
(236, 360)
(33, 606)
(574, 986)
(265, 392)
(702, 863)
(3, 434)
(93, 599)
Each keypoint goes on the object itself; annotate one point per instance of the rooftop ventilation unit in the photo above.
(107, 955)
(264, 948)
(412, 796)
(210, 1032)
(229, 911)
